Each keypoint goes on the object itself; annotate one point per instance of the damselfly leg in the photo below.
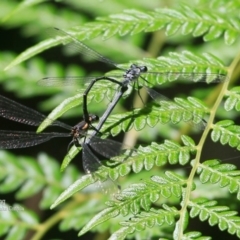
(137, 75)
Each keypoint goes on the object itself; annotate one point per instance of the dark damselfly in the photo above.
(91, 150)
(129, 76)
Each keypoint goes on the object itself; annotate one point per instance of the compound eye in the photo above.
(94, 117)
(144, 69)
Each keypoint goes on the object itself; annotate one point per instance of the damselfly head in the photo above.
(133, 66)
(93, 118)
(143, 69)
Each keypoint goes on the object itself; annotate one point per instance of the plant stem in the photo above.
(44, 227)
(187, 193)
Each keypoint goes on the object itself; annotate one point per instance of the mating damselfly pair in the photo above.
(92, 145)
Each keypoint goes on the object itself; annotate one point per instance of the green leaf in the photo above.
(149, 163)
(192, 235)
(28, 189)
(215, 214)
(68, 158)
(214, 32)
(188, 141)
(137, 166)
(124, 170)
(10, 183)
(72, 189)
(147, 178)
(225, 123)
(31, 178)
(200, 29)
(227, 133)
(60, 110)
(100, 218)
(51, 172)
(121, 24)
(230, 36)
(224, 174)
(21, 6)
(121, 233)
(172, 28)
(28, 217)
(139, 124)
(16, 232)
(233, 99)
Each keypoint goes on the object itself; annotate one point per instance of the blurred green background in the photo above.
(24, 24)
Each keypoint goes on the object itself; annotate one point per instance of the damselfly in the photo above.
(129, 76)
(91, 150)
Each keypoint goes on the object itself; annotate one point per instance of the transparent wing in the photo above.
(22, 139)
(69, 81)
(91, 164)
(19, 113)
(112, 150)
(76, 46)
(106, 147)
(162, 77)
(65, 81)
(178, 112)
(103, 147)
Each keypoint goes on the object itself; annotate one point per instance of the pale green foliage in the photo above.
(156, 201)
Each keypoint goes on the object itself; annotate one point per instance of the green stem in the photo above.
(44, 227)
(187, 193)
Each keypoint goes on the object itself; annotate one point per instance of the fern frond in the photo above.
(26, 16)
(66, 105)
(136, 160)
(198, 22)
(227, 133)
(190, 110)
(23, 5)
(29, 177)
(78, 185)
(138, 207)
(142, 195)
(229, 6)
(185, 66)
(167, 69)
(147, 157)
(16, 220)
(195, 236)
(221, 215)
(233, 100)
(144, 221)
(86, 210)
(159, 217)
(25, 77)
(225, 175)
(101, 217)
